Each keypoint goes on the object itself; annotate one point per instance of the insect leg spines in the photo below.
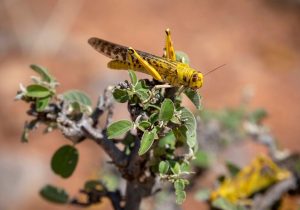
(170, 52)
(150, 69)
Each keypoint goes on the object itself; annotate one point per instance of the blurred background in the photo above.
(258, 40)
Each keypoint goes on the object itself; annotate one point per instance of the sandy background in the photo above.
(259, 41)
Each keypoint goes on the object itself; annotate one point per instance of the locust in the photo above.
(165, 69)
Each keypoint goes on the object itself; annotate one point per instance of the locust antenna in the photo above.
(213, 70)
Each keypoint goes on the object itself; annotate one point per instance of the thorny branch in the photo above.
(79, 130)
(139, 183)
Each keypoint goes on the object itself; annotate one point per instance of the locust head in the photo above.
(196, 80)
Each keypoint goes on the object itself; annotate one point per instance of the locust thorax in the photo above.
(196, 80)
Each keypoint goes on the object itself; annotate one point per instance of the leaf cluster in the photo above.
(163, 128)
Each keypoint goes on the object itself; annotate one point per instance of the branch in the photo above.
(274, 193)
(118, 157)
(94, 196)
(104, 103)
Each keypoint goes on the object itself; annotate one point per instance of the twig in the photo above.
(119, 158)
(94, 196)
(274, 194)
(104, 103)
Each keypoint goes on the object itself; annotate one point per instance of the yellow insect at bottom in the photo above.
(165, 69)
(260, 174)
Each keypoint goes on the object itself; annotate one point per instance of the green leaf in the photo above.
(141, 85)
(153, 118)
(182, 57)
(142, 94)
(194, 97)
(42, 103)
(223, 204)
(118, 128)
(179, 186)
(163, 167)
(180, 133)
(168, 140)
(128, 139)
(147, 141)
(133, 77)
(180, 197)
(175, 167)
(190, 122)
(54, 194)
(232, 168)
(167, 110)
(120, 95)
(37, 91)
(202, 159)
(258, 115)
(43, 72)
(77, 96)
(185, 167)
(64, 161)
(143, 125)
(175, 120)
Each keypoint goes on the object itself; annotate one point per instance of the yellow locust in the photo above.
(165, 69)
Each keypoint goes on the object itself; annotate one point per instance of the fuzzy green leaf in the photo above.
(142, 94)
(258, 115)
(37, 91)
(179, 186)
(77, 96)
(42, 103)
(194, 97)
(133, 77)
(189, 121)
(180, 134)
(64, 161)
(153, 118)
(202, 159)
(168, 141)
(120, 95)
(180, 197)
(163, 167)
(147, 141)
(167, 110)
(182, 57)
(43, 72)
(119, 128)
(54, 194)
(143, 125)
(175, 167)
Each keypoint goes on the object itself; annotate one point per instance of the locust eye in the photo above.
(195, 78)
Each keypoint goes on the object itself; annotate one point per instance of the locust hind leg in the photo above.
(170, 52)
(149, 69)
